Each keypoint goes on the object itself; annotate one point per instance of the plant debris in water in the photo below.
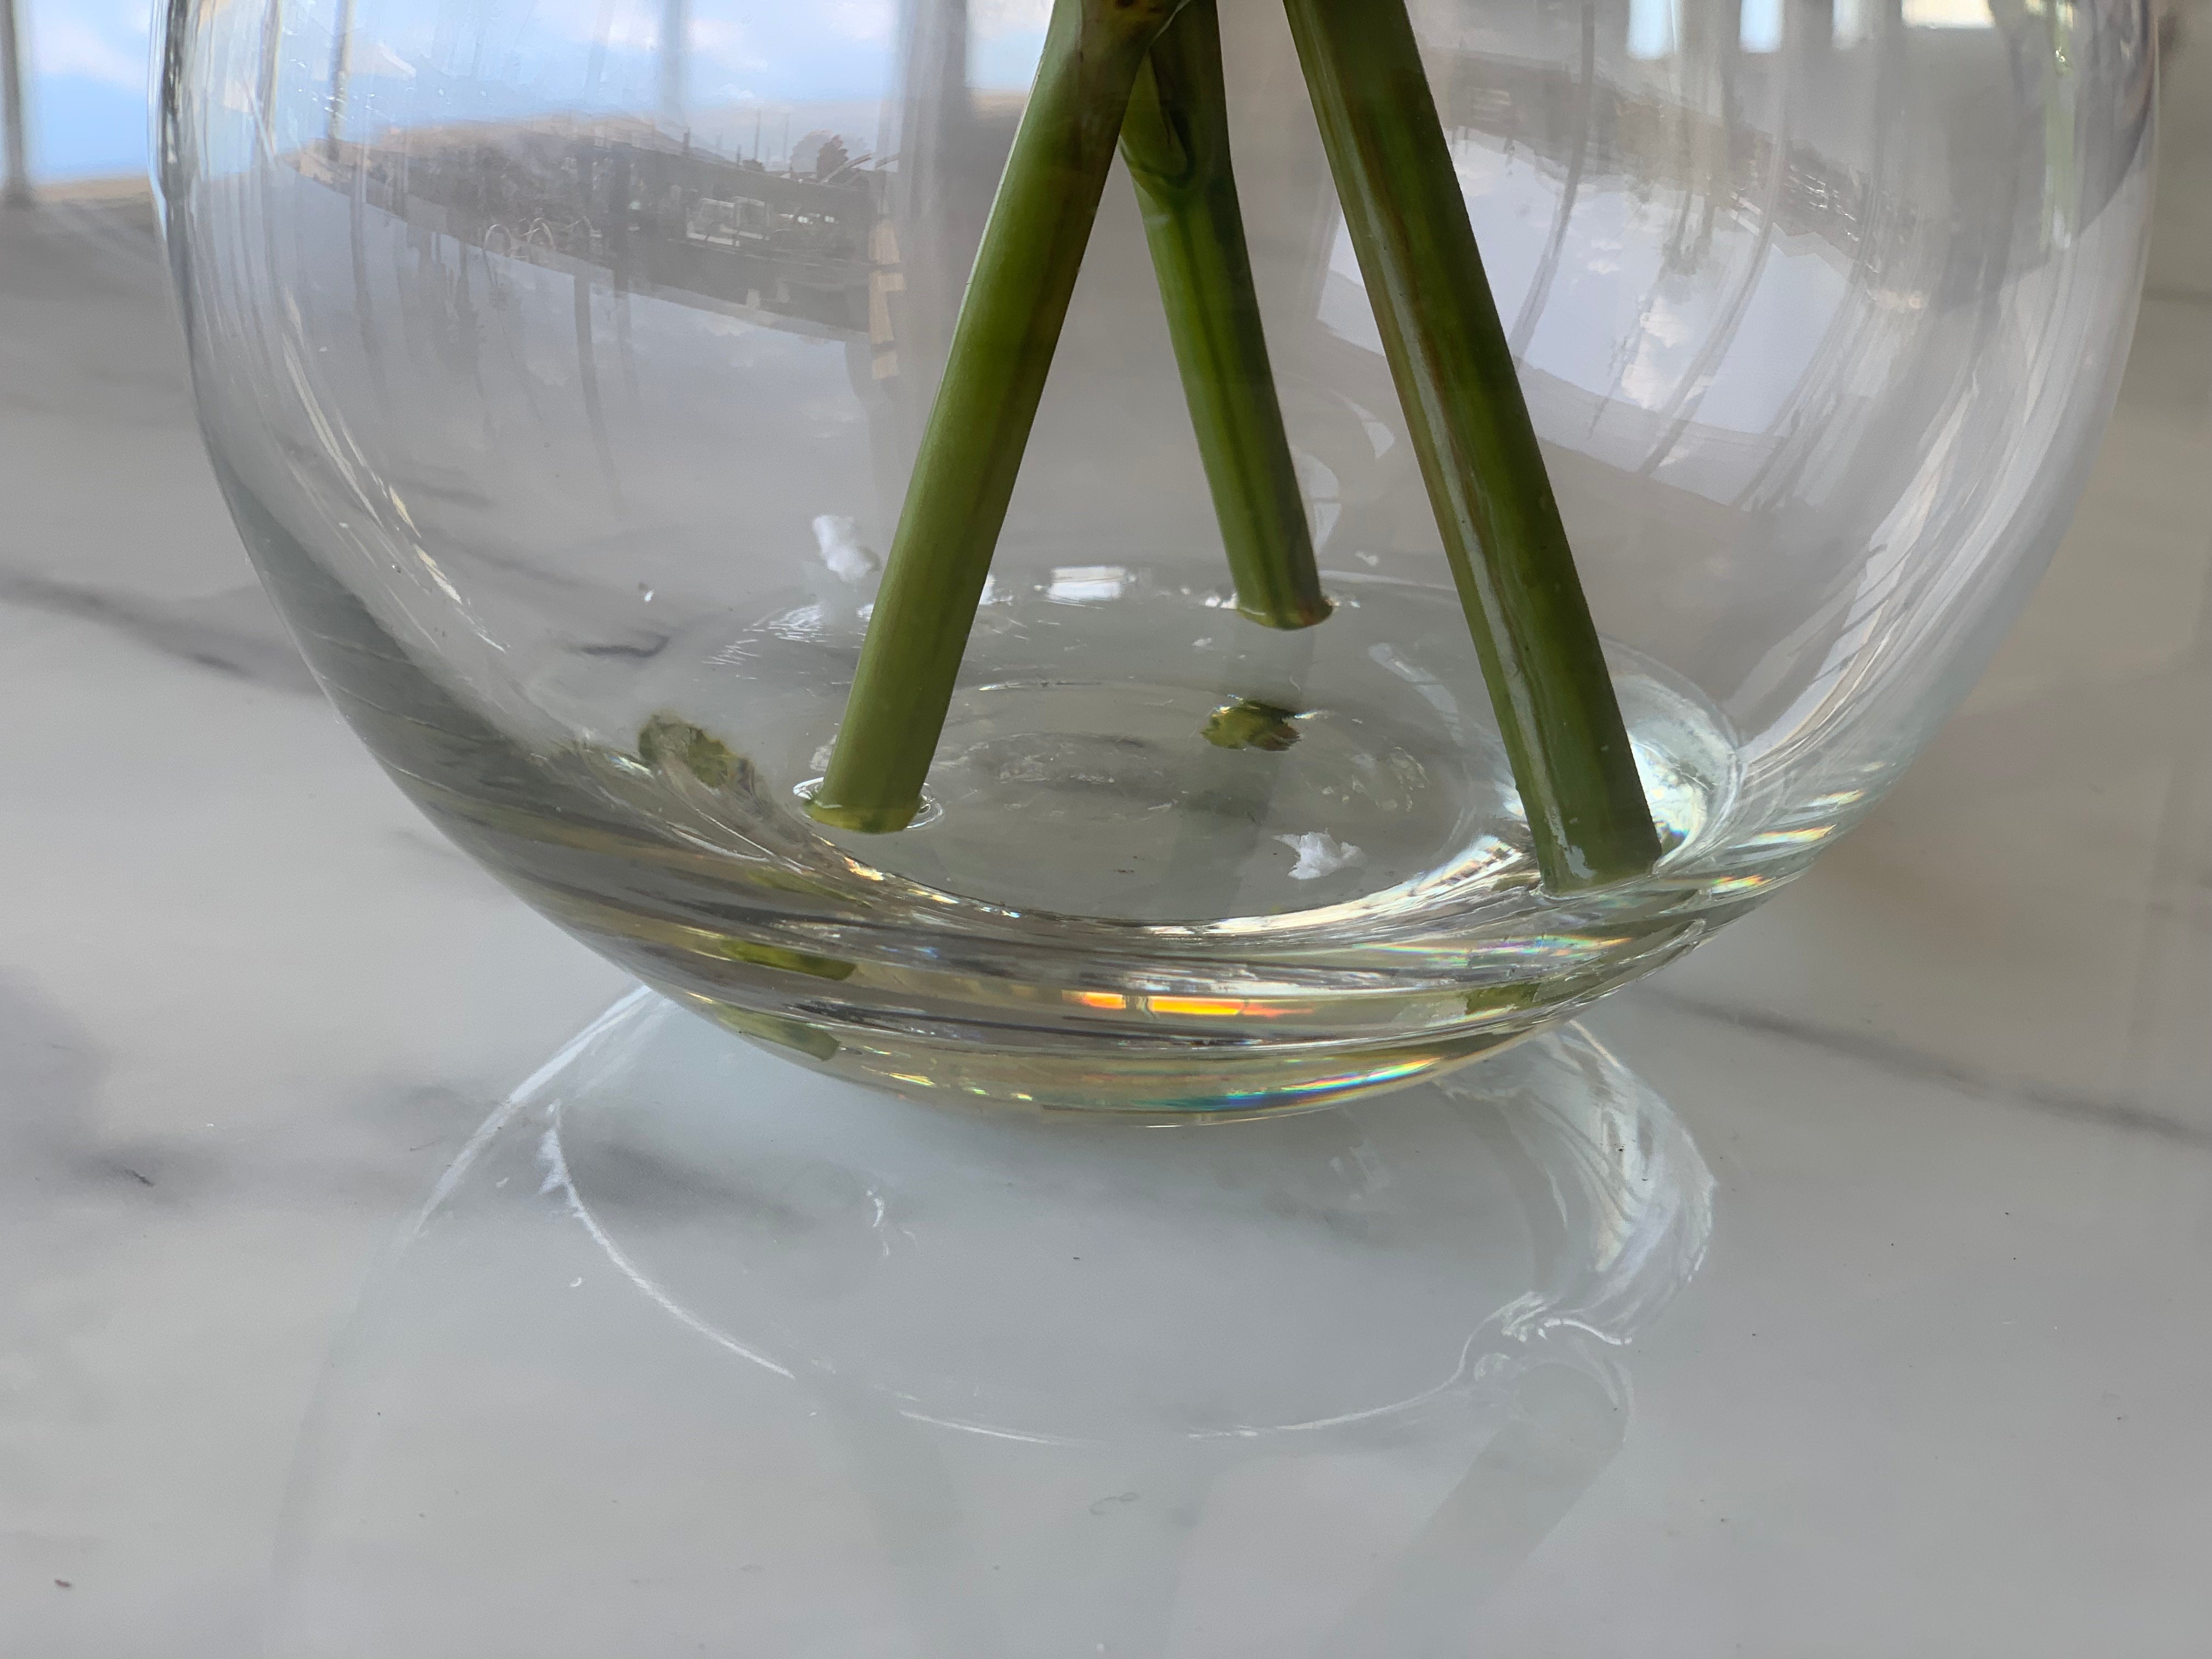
(1247, 723)
(665, 741)
(789, 962)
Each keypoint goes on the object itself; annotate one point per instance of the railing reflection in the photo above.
(16, 186)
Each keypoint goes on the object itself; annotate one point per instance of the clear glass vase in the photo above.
(566, 366)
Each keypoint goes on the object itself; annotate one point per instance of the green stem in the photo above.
(971, 448)
(1176, 141)
(1469, 423)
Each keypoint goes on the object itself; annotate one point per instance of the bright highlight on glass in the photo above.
(1760, 29)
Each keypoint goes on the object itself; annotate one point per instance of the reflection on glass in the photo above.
(1947, 15)
(692, 1346)
(1653, 26)
(1759, 27)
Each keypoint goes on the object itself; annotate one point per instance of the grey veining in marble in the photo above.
(1937, 1389)
(234, 632)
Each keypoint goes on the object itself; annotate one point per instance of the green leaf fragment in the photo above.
(789, 962)
(667, 741)
(781, 1031)
(1247, 723)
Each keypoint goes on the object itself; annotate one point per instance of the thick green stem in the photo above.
(1470, 426)
(1176, 141)
(971, 448)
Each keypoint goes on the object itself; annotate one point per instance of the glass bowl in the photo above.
(565, 365)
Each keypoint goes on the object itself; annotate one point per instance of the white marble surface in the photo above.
(1939, 1388)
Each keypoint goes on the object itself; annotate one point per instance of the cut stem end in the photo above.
(1289, 620)
(865, 820)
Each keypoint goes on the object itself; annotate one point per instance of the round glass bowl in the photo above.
(565, 366)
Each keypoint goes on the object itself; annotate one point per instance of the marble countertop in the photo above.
(1937, 1389)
